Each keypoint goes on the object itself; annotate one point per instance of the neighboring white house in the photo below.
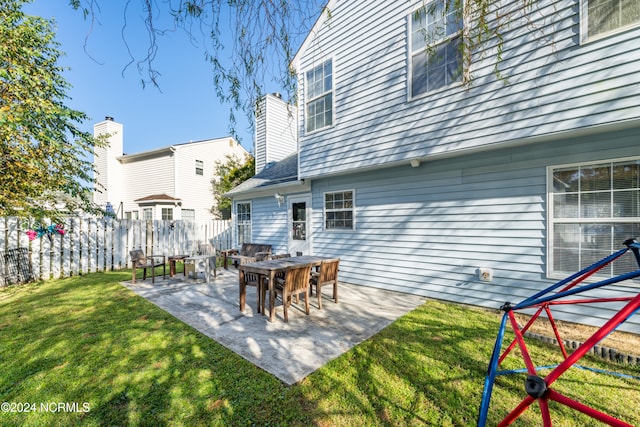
(419, 182)
(170, 183)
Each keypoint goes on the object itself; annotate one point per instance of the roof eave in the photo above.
(296, 186)
(324, 15)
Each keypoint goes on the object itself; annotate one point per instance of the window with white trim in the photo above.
(147, 213)
(339, 211)
(601, 17)
(199, 167)
(188, 214)
(593, 209)
(319, 97)
(243, 222)
(131, 215)
(167, 213)
(435, 46)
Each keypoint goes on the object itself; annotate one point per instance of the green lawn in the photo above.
(115, 359)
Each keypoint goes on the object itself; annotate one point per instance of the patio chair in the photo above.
(327, 275)
(206, 249)
(257, 281)
(295, 282)
(140, 260)
(279, 274)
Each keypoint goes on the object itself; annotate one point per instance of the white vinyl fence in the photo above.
(103, 244)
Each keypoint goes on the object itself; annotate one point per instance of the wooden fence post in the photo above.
(148, 237)
(73, 237)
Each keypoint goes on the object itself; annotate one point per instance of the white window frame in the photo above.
(584, 25)
(424, 50)
(310, 99)
(190, 214)
(200, 167)
(147, 214)
(166, 214)
(243, 222)
(325, 211)
(591, 221)
(131, 215)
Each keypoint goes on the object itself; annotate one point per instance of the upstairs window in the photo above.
(600, 17)
(319, 97)
(436, 56)
(199, 167)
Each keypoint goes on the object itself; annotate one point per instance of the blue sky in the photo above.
(184, 109)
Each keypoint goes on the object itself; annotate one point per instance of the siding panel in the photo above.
(269, 223)
(427, 230)
(195, 191)
(554, 85)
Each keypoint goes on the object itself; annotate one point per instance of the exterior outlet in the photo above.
(485, 274)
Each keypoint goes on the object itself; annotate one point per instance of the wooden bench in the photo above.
(251, 252)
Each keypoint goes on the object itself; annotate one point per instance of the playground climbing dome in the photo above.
(571, 290)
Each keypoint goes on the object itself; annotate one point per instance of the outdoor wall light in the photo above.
(415, 163)
(279, 198)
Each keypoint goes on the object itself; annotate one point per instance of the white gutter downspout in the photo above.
(176, 180)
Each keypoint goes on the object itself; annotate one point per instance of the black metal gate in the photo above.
(15, 267)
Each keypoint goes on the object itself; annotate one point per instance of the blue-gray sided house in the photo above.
(480, 193)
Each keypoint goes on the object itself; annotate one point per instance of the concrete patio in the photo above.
(306, 343)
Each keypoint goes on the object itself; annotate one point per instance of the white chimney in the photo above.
(276, 134)
(105, 162)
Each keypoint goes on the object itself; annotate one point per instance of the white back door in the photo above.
(299, 213)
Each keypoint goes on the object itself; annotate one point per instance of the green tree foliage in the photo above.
(250, 43)
(43, 153)
(229, 174)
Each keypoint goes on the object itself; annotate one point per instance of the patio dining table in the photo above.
(269, 269)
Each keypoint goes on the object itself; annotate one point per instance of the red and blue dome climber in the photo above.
(541, 389)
